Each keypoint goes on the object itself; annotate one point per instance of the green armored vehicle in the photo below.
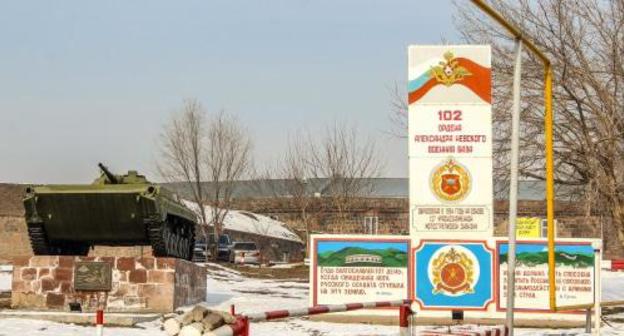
(115, 210)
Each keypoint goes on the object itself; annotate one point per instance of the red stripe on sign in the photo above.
(383, 304)
(318, 310)
(276, 314)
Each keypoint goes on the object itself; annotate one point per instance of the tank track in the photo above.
(166, 243)
(41, 246)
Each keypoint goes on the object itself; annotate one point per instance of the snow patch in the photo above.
(287, 266)
(245, 221)
(612, 286)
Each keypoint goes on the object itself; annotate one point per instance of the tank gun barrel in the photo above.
(110, 176)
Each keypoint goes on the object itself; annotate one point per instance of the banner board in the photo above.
(575, 274)
(453, 275)
(443, 275)
(471, 276)
(348, 269)
(450, 141)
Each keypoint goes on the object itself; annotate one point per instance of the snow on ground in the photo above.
(226, 287)
(13, 326)
(286, 265)
(612, 286)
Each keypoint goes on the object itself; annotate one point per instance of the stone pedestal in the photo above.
(137, 284)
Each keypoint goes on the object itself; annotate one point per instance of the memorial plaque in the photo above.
(92, 276)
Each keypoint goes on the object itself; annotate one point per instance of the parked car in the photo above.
(223, 249)
(201, 251)
(244, 253)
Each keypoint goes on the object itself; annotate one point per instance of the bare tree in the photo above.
(398, 112)
(182, 151)
(348, 162)
(207, 154)
(297, 171)
(228, 158)
(585, 41)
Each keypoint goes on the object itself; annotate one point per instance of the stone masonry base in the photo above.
(139, 285)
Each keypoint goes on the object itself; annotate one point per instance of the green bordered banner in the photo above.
(359, 269)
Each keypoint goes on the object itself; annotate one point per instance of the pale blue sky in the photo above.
(86, 81)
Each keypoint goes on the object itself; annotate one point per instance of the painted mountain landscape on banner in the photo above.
(360, 254)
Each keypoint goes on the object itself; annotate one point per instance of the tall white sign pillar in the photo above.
(450, 142)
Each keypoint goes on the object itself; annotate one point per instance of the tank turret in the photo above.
(109, 177)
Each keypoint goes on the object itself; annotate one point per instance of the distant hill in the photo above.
(390, 257)
(576, 260)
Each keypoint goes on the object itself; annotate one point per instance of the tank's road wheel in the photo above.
(167, 243)
(190, 242)
(183, 247)
(180, 249)
(178, 245)
(173, 248)
(173, 242)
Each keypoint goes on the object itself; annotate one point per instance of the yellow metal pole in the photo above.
(550, 185)
(511, 29)
(548, 130)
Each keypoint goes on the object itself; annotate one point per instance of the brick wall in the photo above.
(322, 217)
(138, 284)
(572, 218)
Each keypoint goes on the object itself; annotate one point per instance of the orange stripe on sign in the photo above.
(481, 80)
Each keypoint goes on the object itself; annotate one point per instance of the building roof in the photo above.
(249, 222)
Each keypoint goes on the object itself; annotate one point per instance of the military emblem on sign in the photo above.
(449, 72)
(450, 181)
(452, 272)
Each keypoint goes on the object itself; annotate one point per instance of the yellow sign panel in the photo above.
(528, 227)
